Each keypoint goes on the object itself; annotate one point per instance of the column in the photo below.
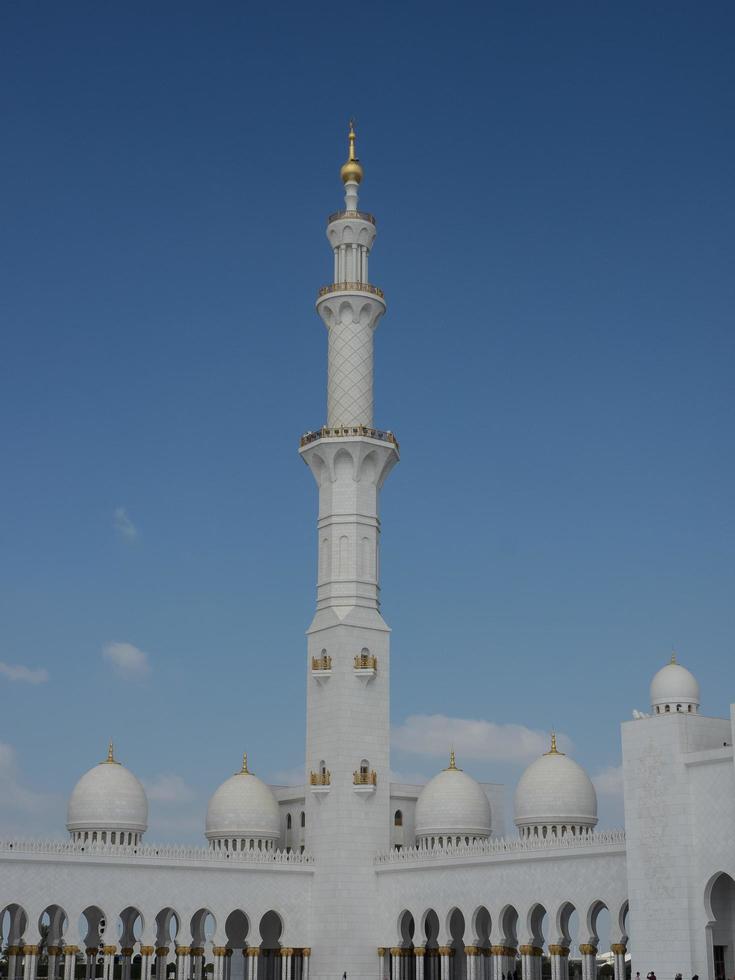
(108, 970)
(126, 952)
(54, 954)
(444, 953)
(161, 962)
(197, 962)
(253, 954)
(182, 955)
(90, 962)
(559, 962)
(218, 952)
(306, 956)
(146, 962)
(286, 961)
(418, 955)
(382, 973)
(30, 962)
(70, 963)
(618, 950)
(14, 953)
(531, 962)
(588, 953)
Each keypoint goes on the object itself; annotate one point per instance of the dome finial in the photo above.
(351, 172)
(244, 771)
(553, 750)
(673, 656)
(452, 767)
(111, 754)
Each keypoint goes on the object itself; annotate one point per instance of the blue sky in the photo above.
(553, 186)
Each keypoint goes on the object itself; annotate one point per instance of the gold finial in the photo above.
(553, 750)
(453, 762)
(673, 656)
(351, 171)
(244, 771)
(111, 754)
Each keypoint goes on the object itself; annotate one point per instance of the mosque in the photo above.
(350, 872)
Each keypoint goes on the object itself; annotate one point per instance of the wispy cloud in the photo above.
(23, 810)
(126, 660)
(17, 672)
(168, 788)
(434, 735)
(123, 525)
(609, 781)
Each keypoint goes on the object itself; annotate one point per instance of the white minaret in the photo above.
(348, 662)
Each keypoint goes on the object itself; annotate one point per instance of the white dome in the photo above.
(675, 686)
(108, 798)
(453, 804)
(555, 791)
(243, 806)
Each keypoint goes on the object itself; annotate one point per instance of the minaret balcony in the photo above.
(364, 782)
(320, 781)
(366, 666)
(351, 287)
(346, 432)
(321, 667)
(354, 215)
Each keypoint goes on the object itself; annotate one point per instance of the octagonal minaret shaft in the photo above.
(350, 307)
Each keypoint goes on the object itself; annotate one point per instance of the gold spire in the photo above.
(111, 754)
(244, 771)
(553, 750)
(452, 763)
(351, 170)
(673, 656)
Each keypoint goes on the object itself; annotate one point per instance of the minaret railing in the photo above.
(358, 215)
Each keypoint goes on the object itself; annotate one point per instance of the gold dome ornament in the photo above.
(351, 171)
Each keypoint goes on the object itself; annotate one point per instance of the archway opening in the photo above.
(722, 905)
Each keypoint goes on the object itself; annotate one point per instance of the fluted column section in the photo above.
(70, 962)
(418, 954)
(146, 961)
(618, 950)
(588, 953)
(162, 953)
(30, 962)
(306, 957)
(108, 969)
(559, 962)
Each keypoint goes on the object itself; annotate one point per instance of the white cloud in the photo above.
(128, 661)
(435, 735)
(123, 525)
(24, 811)
(609, 781)
(17, 672)
(168, 788)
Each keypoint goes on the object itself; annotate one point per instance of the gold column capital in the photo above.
(147, 950)
(529, 950)
(395, 951)
(381, 950)
(503, 951)
(71, 950)
(182, 950)
(619, 949)
(15, 950)
(306, 951)
(556, 950)
(253, 951)
(91, 950)
(54, 950)
(30, 950)
(286, 951)
(161, 950)
(445, 951)
(197, 951)
(588, 949)
(126, 951)
(419, 950)
(109, 950)
(472, 950)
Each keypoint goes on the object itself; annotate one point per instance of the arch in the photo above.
(592, 922)
(623, 922)
(168, 924)
(303, 818)
(406, 929)
(508, 925)
(535, 924)
(271, 930)
(343, 466)
(344, 556)
(481, 927)
(719, 900)
(561, 930)
(203, 925)
(52, 924)
(131, 925)
(398, 818)
(92, 926)
(456, 931)
(430, 928)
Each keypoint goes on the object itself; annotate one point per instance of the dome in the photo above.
(108, 798)
(351, 171)
(555, 792)
(243, 808)
(674, 688)
(452, 804)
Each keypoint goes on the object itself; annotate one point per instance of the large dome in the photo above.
(454, 806)
(108, 799)
(243, 808)
(674, 688)
(555, 795)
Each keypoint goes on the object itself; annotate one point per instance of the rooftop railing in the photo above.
(349, 287)
(359, 215)
(342, 431)
(141, 852)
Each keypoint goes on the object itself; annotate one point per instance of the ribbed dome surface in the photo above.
(243, 806)
(453, 803)
(674, 684)
(108, 797)
(555, 790)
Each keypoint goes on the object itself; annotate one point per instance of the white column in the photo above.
(54, 953)
(588, 953)
(126, 952)
(382, 973)
(30, 962)
(471, 960)
(70, 962)
(306, 956)
(90, 962)
(109, 962)
(444, 953)
(618, 950)
(146, 962)
(161, 962)
(418, 955)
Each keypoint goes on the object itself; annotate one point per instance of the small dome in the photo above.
(674, 688)
(108, 798)
(243, 807)
(351, 171)
(453, 804)
(555, 791)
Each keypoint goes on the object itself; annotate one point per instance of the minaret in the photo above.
(348, 661)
